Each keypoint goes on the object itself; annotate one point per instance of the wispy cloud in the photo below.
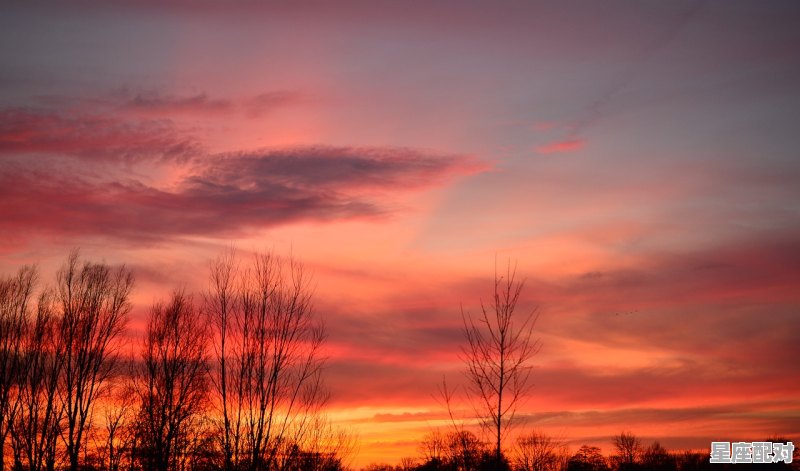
(567, 145)
(268, 102)
(198, 104)
(334, 168)
(201, 104)
(153, 103)
(197, 193)
(99, 137)
(223, 195)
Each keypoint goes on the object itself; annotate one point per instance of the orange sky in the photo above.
(638, 161)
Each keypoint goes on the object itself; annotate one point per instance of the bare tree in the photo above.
(336, 444)
(536, 451)
(432, 447)
(15, 296)
(458, 449)
(113, 446)
(172, 384)
(321, 447)
(629, 449)
(464, 451)
(588, 458)
(94, 306)
(223, 308)
(657, 458)
(268, 363)
(38, 422)
(499, 348)
(407, 463)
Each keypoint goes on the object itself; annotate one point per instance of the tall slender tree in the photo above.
(172, 384)
(39, 420)
(497, 354)
(268, 363)
(15, 299)
(222, 306)
(94, 304)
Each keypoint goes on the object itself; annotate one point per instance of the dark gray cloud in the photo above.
(221, 196)
(201, 104)
(330, 168)
(198, 104)
(651, 415)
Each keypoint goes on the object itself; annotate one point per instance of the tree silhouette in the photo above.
(656, 458)
(535, 451)
(113, 449)
(432, 448)
(267, 344)
(15, 296)
(172, 384)
(458, 450)
(587, 458)
(463, 450)
(58, 366)
(629, 450)
(323, 447)
(94, 305)
(499, 347)
(38, 423)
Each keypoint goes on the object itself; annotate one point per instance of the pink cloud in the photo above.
(267, 102)
(547, 125)
(676, 310)
(223, 196)
(199, 104)
(568, 145)
(92, 136)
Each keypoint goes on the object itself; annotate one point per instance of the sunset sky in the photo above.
(638, 160)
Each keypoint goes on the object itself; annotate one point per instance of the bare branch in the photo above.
(497, 354)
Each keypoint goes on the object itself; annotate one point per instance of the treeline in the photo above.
(462, 450)
(230, 379)
(227, 380)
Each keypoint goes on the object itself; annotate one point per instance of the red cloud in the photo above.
(222, 196)
(24, 131)
(677, 310)
(568, 145)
